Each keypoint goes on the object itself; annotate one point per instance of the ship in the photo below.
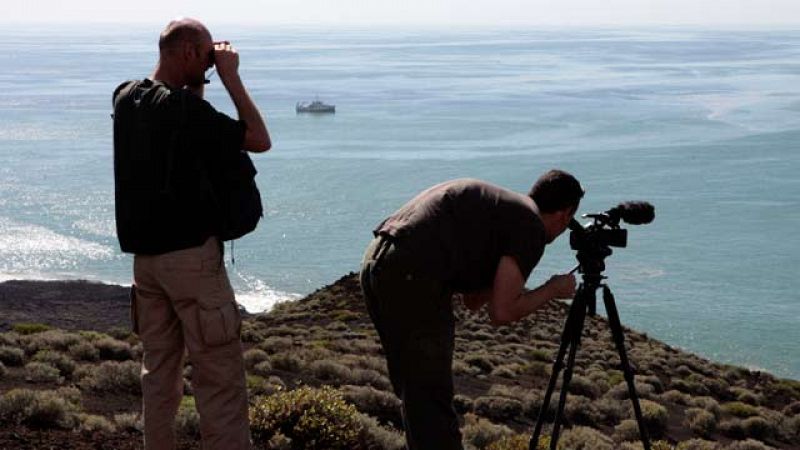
(316, 106)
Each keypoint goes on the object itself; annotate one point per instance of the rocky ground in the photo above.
(326, 339)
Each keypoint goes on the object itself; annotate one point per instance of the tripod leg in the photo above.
(566, 339)
(575, 339)
(619, 340)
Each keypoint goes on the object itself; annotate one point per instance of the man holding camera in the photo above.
(168, 142)
(463, 237)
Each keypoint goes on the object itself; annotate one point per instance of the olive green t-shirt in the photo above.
(458, 230)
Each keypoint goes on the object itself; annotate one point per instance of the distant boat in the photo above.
(315, 107)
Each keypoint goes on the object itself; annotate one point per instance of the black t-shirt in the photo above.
(458, 230)
(167, 143)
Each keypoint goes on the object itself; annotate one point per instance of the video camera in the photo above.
(605, 230)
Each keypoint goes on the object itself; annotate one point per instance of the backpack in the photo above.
(234, 190)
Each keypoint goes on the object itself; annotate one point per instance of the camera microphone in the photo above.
(634, 213)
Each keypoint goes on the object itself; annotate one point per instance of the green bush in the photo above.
(330, 371)
(758, 428)
(583, 386)
(655, 417)
(30, 328)
(498, 408)
(373, 435)
(49, 340)
(39, 372)
(60, 361)
(740, 409)
(311, 418)
(732, 428)
(287, 361)
(479, 432)
(11, 356)
(627, 430)
(254, 356)
(519, 442)
(38, 409)
(187, 421)
(749, 444)
(129, 422)
(90, 424)
(113, 376)
(112, 349)
(376, 403)
(84, 351)
(584, 438)
(700, 421)
(698, 444)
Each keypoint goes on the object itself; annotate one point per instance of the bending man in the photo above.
(467, 237)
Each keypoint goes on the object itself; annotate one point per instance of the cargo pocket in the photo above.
(134, 313)
(219, 324)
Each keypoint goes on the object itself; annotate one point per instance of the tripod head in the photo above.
(594, 240)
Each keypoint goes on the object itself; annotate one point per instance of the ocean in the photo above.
(703, 124)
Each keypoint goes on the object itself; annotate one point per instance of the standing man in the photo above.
(167, 143)
(467, 237)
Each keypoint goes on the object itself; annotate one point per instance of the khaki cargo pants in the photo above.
(184, 300)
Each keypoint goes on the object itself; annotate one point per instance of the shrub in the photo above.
(84, 351)
(3, 371)
(746, 396)
(41, 409)
(328, 370)
(758, 428)
(311, 418)
(254, 356)
(30, 328)
(88, 423)
(583, 386)
(462, 404)
(498, 408)
(627, 430)
(609, 411)
(11, 356)
(740, 409)
(789, 429)
(792, 409)
(579, 410)
(287, 361)
(585, 438)
(700, 421)
(676, 397)
(732, 428)
(58, 360)
(112, 349)
(480, 432)
(519, 442)
(698, 444)
(264, 368)
(482, 361)
(112, 376)
(707, 403)
(187, 421)
(749, 444)
(380, 404)
(373, 435)
(39, 372)
(129, 422)
(51, 339)
(655, 417)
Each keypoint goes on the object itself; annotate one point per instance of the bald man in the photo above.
(168, 143)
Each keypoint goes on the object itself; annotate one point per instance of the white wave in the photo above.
(257, 296)
(27, 248)
(104, 228)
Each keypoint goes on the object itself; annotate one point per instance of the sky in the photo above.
(723, 13)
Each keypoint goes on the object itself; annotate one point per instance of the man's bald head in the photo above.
(182, 31)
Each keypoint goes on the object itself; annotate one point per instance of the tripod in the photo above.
(591, 267)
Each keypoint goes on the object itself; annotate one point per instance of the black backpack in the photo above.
(234, 190)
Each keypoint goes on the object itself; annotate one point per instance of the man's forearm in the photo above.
(257, 136)
(525, 304)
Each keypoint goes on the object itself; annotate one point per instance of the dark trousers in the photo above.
(414, 318)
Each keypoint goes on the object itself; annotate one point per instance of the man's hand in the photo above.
(561, 286)
(226, 59)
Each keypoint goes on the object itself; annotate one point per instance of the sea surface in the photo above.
(704, 124)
